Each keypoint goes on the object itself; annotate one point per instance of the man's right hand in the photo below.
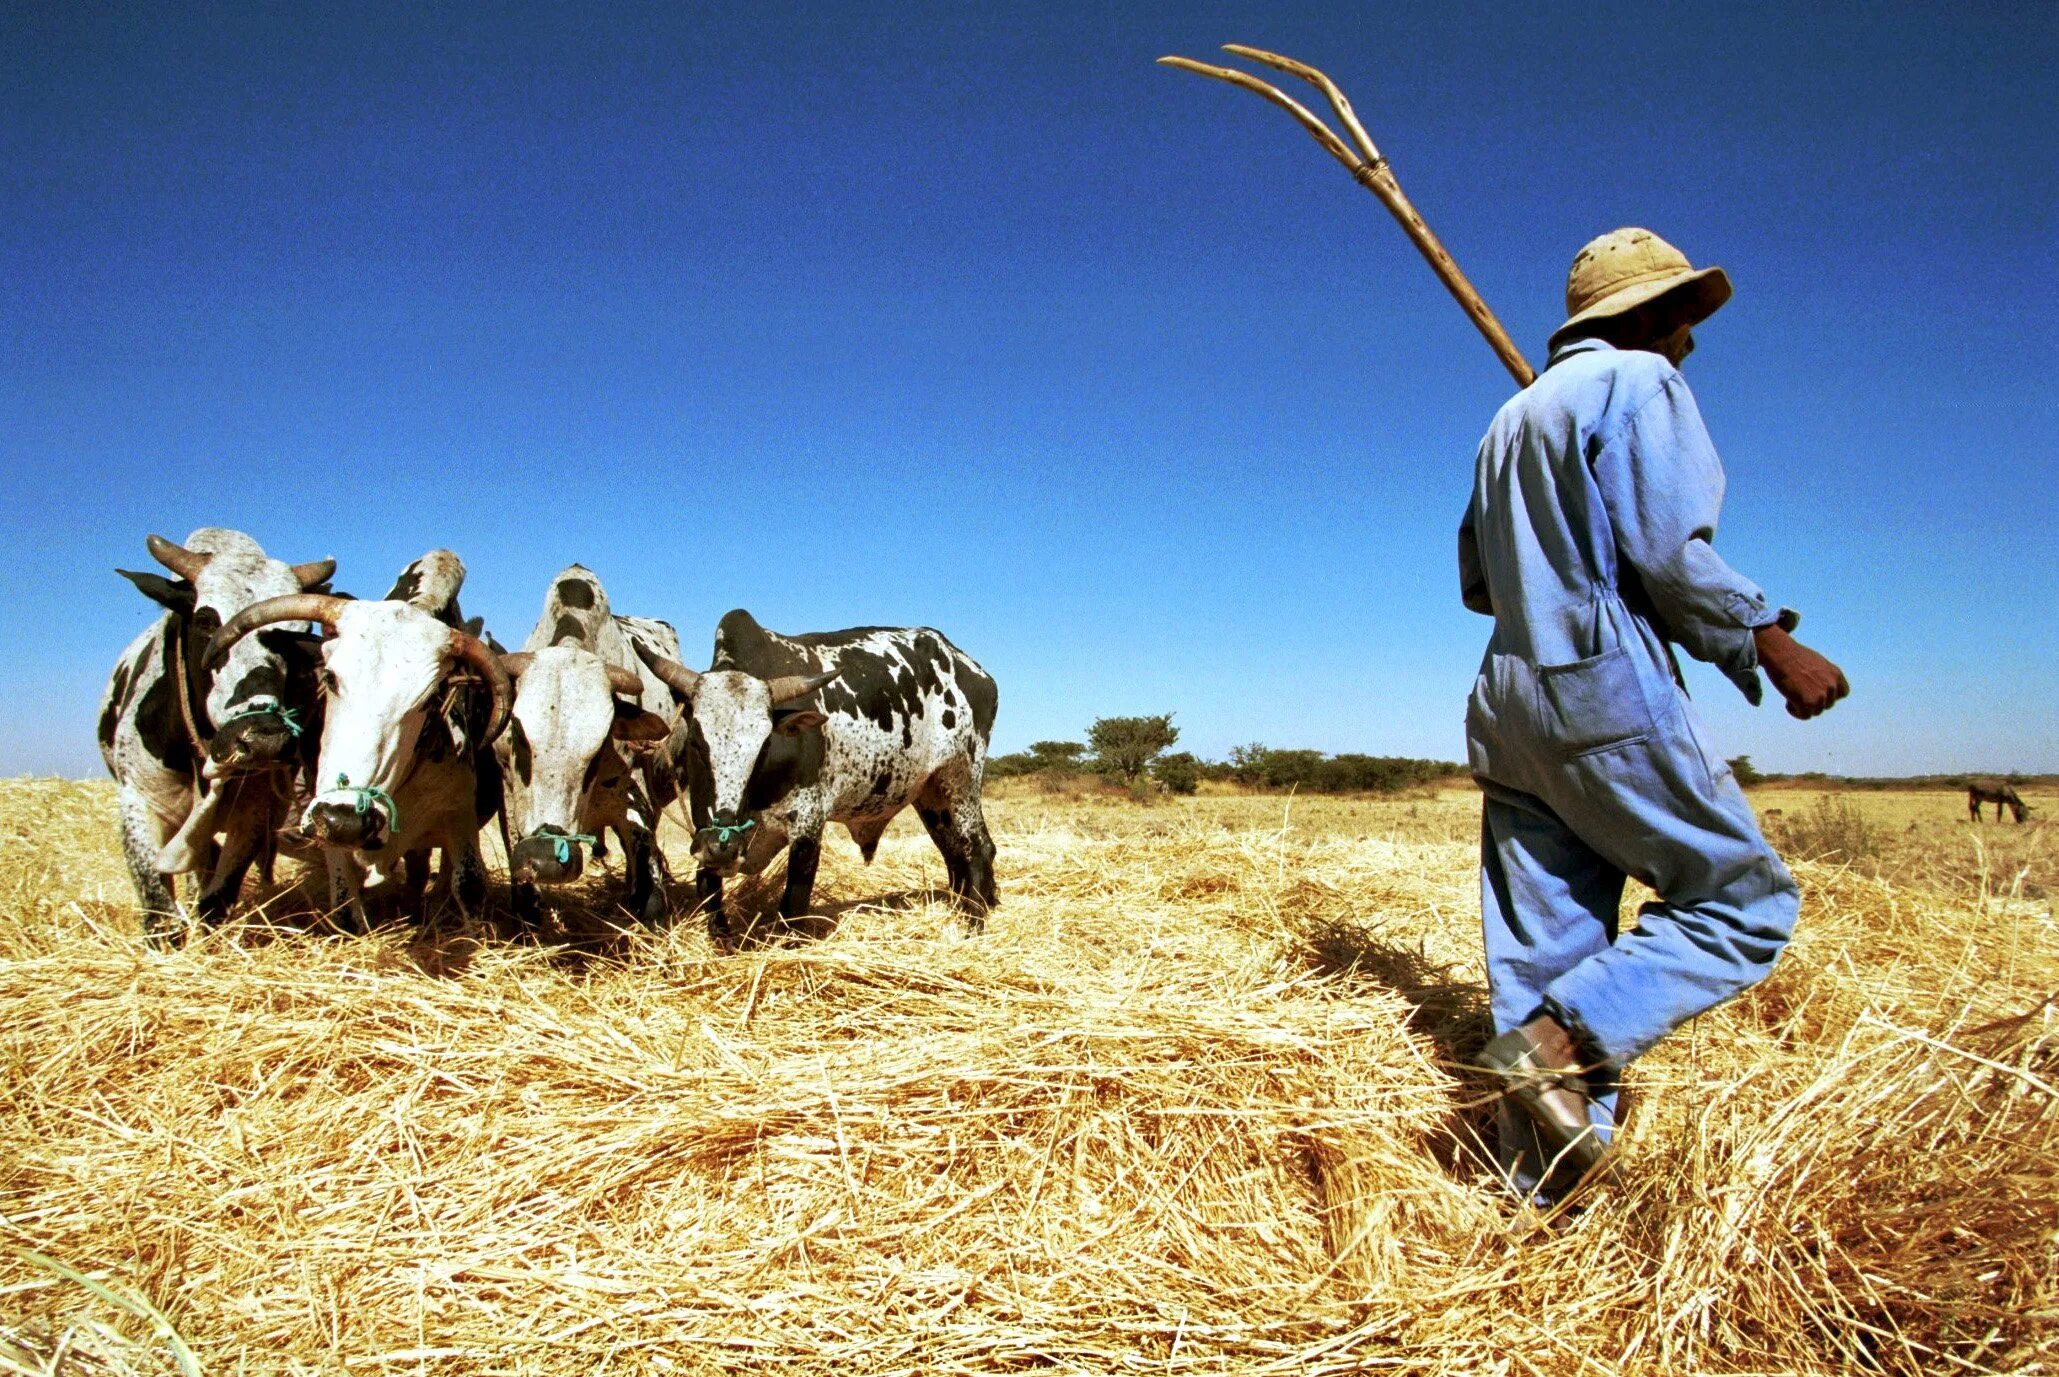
(1808, 681)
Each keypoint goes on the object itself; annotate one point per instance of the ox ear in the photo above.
(174, 594)
(797, 721)
(637, 727)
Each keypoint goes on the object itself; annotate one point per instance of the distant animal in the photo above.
(785, 734)
(199, 747)
(412, 704)
(1997, 792)
(578, 756)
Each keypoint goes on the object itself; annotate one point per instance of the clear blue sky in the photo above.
(969, 315)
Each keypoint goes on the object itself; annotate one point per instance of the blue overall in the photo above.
(1588, 541)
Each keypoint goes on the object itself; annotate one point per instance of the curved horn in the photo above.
(626, 683)
(314, 571)
(292, 607)
(788, 687)
(472, 651)
(671, 673)
(186, 563)
(516, 662)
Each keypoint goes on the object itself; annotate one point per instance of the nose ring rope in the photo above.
(562, 842)
(727, 832)
(369, 794)
(290, 717)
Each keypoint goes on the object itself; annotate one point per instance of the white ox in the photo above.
(578, 755)
(411, 706)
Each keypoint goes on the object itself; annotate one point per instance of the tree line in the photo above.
(1137, 751)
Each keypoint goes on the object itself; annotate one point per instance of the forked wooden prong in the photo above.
(1314, 77)
(1321, 132)
(1370, 171)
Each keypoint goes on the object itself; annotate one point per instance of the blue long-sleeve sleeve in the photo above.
(1472, 574)
(1662, 484)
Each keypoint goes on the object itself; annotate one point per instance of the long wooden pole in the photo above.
(1372, 172)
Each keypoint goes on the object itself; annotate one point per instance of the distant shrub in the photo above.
(1043, 757)
(1830, 829)
(1179, 772)
(1747, 776)
(1265, 767)
(1124, 747)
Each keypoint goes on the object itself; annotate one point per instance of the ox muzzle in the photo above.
(720, 844)
(548, 856)
(359, 819)
(254, 741)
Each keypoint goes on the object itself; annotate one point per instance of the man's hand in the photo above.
(1808, 682)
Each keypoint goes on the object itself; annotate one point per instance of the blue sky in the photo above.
(971, 316)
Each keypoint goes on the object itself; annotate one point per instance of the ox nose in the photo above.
(248, 742)
(341, 824)
(548, 858)
(719, 846)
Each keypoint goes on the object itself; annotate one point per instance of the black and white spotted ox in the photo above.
(1998, 792)
(578, 755)
(411, 706)
(786, 734)
(204, 751)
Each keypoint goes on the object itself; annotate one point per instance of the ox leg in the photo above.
(707, 889)
(144, 834)
(346, 887)
(646, 885)
(414, 880)
(249, 824)
(950, 810)
(802, 858)
(467, 871)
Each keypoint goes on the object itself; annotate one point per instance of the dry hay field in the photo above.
(1191, 1104)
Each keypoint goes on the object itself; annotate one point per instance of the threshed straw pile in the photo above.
(1188, 1106)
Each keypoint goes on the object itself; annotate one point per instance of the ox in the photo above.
(785, 734)
(581, 701)
(1998, 792)
(207, 749)
(411, 704)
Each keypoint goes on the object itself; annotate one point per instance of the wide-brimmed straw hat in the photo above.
(1626, 268)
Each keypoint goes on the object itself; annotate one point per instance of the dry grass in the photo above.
(1188, 1106)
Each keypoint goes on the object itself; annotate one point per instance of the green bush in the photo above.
(1264, 767)
(1124, 747)
(1179, 772)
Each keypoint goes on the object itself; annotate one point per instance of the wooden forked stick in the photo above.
(1371, 171)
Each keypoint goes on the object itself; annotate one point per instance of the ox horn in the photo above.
(627, 683)
(186, 563)
(671, 673)
(788, 687)
(473, 651)
(315, 571)
(292, 607)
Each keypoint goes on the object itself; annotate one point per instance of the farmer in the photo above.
(1588, 541)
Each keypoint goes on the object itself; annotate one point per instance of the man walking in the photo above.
(1588, 541)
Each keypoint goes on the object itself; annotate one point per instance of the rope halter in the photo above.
(366, 796)
(727, 832)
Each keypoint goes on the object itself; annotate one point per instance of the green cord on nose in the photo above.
(367, 795)
(288, 717)
(727, 832)
(563, 841)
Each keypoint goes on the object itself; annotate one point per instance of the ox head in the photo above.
(737, 726)
(570, 707)
(385, 667)
(245, 696)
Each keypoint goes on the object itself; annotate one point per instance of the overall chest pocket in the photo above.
(1593, 705)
